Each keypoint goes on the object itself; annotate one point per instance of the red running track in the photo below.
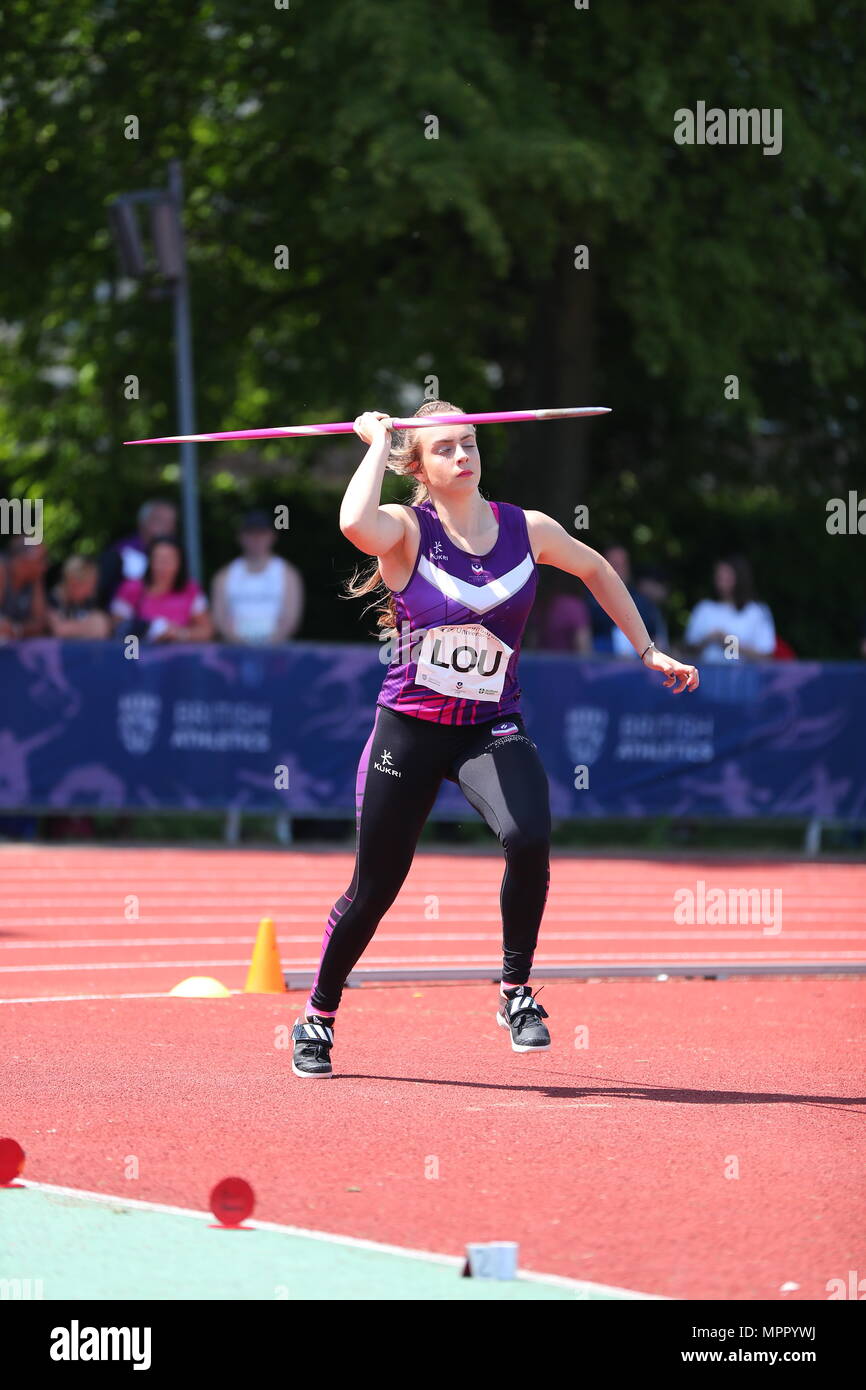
(691, 1139)
(109, 920)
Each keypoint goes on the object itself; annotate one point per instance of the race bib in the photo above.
(467, 662)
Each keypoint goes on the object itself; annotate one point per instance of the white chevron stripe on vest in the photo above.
(478, 598)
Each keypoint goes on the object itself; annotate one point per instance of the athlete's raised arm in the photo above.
(373, 528)
(552, 545)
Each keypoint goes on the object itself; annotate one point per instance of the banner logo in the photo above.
(138, 721)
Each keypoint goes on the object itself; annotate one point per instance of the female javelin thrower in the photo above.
(461, 573)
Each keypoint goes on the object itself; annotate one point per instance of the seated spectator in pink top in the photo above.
(164, 605)
(127, 559)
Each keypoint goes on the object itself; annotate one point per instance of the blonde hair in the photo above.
(404, 458)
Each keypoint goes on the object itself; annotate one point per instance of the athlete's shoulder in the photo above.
(417, 511)
(537, 523)
(406, 514)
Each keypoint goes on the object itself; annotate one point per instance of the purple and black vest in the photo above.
(460, 623)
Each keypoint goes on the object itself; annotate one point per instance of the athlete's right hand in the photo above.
(372, 425)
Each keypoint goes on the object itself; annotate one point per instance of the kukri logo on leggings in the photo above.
(385, 765)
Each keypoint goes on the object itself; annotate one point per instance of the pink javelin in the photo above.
(412, 422)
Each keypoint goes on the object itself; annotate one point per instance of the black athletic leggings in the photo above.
(399, 775)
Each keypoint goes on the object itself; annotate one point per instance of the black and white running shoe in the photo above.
(522, 1014)
(314, 1038)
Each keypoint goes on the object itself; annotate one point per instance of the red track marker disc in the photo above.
(232, 1201)
(11, 1160)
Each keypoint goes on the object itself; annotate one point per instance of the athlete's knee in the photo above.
(523, 842)
(371, 904)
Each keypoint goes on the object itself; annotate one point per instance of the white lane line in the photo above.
(422, 962)
(161, 900)
(309, 919)
(96, 884)
(127, 965)
(354, 1242)
(713, 934)
(470, 877)
(245, 863)
(163, 994)
(77, 998)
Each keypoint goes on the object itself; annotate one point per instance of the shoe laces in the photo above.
(317, 1048)
(534, 1011)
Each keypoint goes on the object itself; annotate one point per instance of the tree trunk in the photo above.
(548, 464)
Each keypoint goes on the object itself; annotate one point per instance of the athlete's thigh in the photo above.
(398, 781)
(502, 776)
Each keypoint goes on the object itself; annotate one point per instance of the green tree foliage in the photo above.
(409, 256)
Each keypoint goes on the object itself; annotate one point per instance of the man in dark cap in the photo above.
(258, 598)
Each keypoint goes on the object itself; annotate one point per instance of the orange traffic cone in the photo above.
(265, 975)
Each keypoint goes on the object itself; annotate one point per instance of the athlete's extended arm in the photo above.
(554, 546)
(363, 520)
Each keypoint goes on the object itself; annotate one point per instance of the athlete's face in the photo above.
(450, 460)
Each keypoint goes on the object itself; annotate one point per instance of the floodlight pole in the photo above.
(170, 247)
(185, 386)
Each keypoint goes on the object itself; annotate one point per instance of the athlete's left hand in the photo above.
(678, 675)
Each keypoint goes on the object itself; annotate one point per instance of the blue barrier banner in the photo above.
(214, 727)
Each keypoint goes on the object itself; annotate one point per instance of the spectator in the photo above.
(560, 617)
(734, 613)
(127, 559)
(22, 590)
(259, 597)
(606, 636)
(164, 605)
(73, 604)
